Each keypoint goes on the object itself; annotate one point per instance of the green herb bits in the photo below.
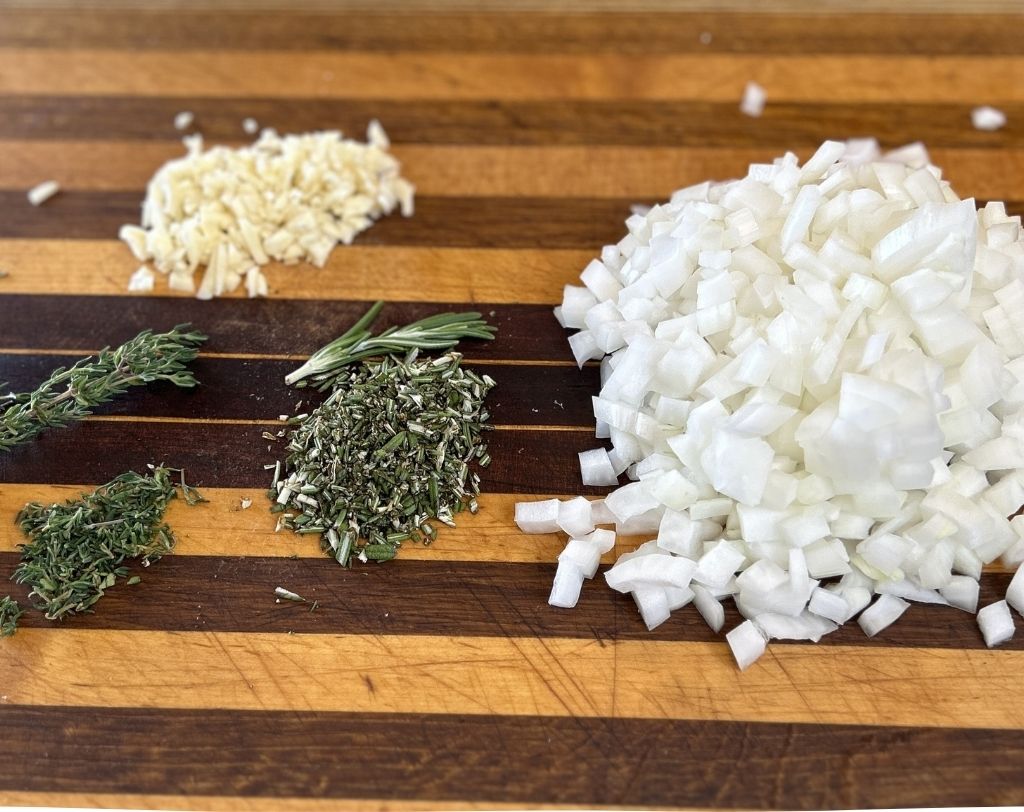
(387, 454)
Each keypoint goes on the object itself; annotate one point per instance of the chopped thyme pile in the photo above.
(76, 551)
(388, 452)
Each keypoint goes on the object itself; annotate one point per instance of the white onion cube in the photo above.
(747, 644)
(996, 623)
(537, 517)
(881, 614)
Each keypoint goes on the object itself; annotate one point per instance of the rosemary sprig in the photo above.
(70, 394)
(438, 332)
(10, 611)
(76, 551)
(386, 454)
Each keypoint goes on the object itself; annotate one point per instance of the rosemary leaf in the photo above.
(71, 394)
(439, 332)
(76, 551)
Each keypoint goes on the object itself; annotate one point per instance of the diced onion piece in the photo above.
(574, 517)
(881, 614)
(996, 623)
(830, 605)
(962, 592)
(718, 565)
(747, 644)
(538, 517)
(583, 554)
(650, 570)
(565, 590)
(1015, 592)
(709, 606)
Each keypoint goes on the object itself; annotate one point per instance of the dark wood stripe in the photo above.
(579, 33)
(262, 326)
(232, 455)
(542, 123)
(479, 599)
(254, 389)
(530, 760)
(448, 222)
(457, 222)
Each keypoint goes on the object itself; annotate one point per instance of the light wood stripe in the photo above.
(498, 276)
(646, 173)
(232, 803)
(703, 77)
(222, 528)
(427, 6)
(513, 676)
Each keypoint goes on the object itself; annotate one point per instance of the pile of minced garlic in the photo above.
(285, 198)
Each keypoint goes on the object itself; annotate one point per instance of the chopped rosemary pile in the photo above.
(438, 332)
(77, 550)
(70, 394)
(388, 451)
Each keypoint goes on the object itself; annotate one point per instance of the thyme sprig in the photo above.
(438, 332)
(71, 394)
(76, 551)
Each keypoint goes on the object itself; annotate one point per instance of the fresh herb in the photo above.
(70, 394)
(388, 452)
(438, 332)
(10, 611)
(77, 550)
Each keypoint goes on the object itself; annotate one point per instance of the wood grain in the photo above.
(488, 536)
(443, 680)
(466, 598)
(640, 173)
(508, 677)
(440, 222)
(508, 31)
(264, 327)
(626, 121)
(439, 757)
(201, 448)
(358, 272)
(427, 76)
(251, 389)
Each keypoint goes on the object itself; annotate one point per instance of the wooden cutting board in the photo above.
(443, 680)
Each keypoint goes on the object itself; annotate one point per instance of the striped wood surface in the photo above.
(443, 680)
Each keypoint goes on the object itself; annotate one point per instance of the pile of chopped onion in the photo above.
(285, 198)
(814, 379)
